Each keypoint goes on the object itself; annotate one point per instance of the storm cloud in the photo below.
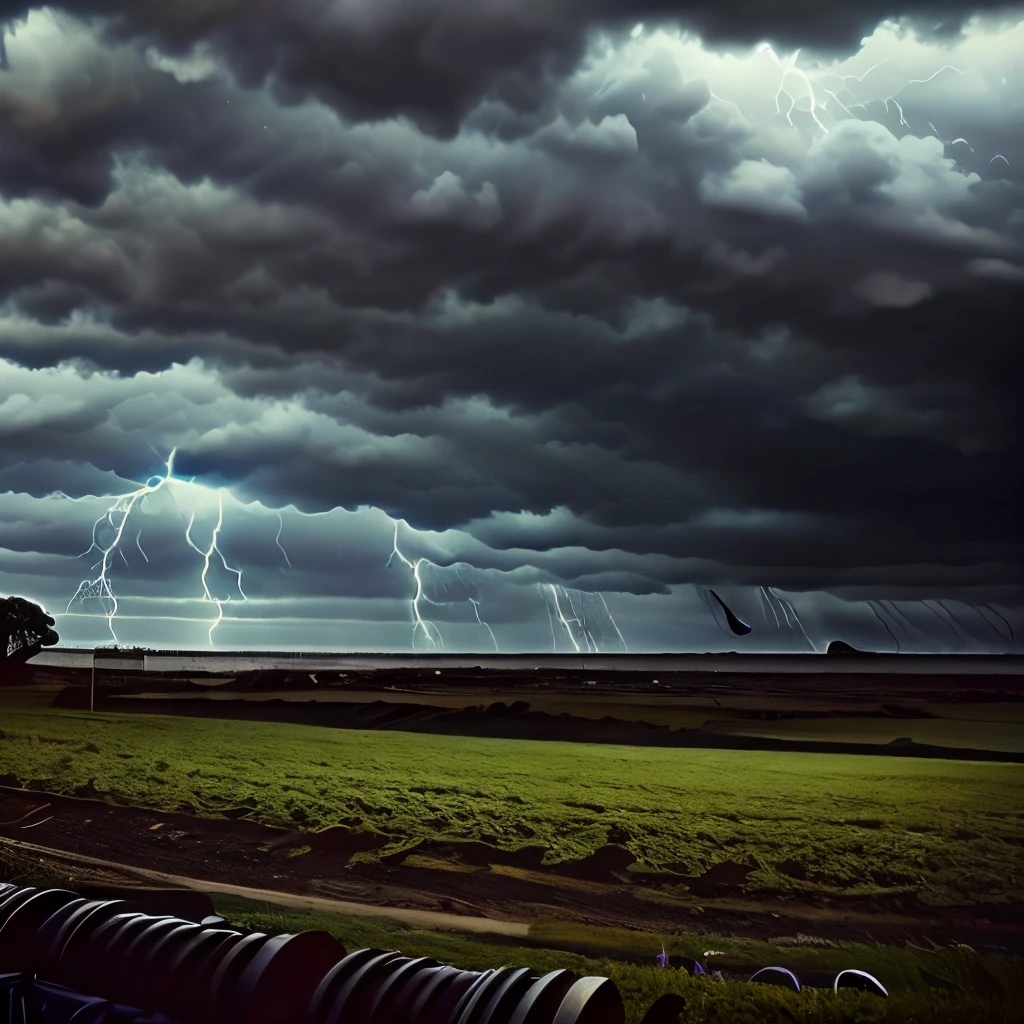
(589, 308)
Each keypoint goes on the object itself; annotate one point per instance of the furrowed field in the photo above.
(951, 832)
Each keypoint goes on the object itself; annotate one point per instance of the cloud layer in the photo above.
(602, 312)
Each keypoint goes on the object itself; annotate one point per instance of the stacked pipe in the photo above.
(189, 972)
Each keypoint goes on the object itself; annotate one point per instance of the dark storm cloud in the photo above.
(442, 57)
(591, 308)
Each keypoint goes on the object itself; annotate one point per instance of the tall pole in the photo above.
(92, 684)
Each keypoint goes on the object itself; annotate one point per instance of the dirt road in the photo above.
(429, 919)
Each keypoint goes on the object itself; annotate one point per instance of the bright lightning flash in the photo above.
(575, 623)
(117, 517)
(797, 89)
(207, 555)
(419, 623)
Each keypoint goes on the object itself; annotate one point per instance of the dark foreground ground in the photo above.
(945, 718)
(469, 881)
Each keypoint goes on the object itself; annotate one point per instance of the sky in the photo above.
(519, 325)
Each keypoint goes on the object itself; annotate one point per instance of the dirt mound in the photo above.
(792, 869)
(603, 865)
(340, 841)
(475, 854)
(721, 879)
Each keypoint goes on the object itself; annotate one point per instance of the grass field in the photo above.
(981, 989)
(975, 988)
(952, 832)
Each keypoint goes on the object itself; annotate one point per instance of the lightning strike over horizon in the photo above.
(212, 550)
(476, 608)
(277, 540)
(561, 617)
(100, 586)
(418, 621)
(615, 625)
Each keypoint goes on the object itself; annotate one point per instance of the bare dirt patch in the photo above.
(489, 883)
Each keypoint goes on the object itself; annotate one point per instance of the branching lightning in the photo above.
(418, 567)
(768, 601)
(785, 603)
(207, 555)
(99, 586)
(583, 616)
(615, 625)
(802, 90)
(562, 608)
(561, 617)
(787, 68)
(419, 623)
(117, 518)
(476, 608)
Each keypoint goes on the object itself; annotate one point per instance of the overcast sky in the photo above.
(513, 323)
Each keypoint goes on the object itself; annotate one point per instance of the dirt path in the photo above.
(429, 919)
(457, 887)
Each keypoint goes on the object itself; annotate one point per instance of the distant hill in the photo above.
(841, 647)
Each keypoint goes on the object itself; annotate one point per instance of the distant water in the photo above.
(227, 661)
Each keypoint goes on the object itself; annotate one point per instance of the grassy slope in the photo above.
(950, 831)
(986, 989)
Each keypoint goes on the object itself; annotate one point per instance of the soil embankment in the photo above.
(465, 885)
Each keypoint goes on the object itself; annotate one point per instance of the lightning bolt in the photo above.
(784, 604)
(207, 555)
(476, 608)
(124, 504)
(768, 601)
(277, 540)
(788, 68)
(117, 517)
(575, 623)
(551, 618)
(615, 625)
(561, 617)
(789, 71)
(419, 623)
(587, 639)
(475, 602)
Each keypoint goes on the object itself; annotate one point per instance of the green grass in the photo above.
(988, 988)
(949, 831)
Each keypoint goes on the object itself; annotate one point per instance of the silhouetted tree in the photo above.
(25, 629)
